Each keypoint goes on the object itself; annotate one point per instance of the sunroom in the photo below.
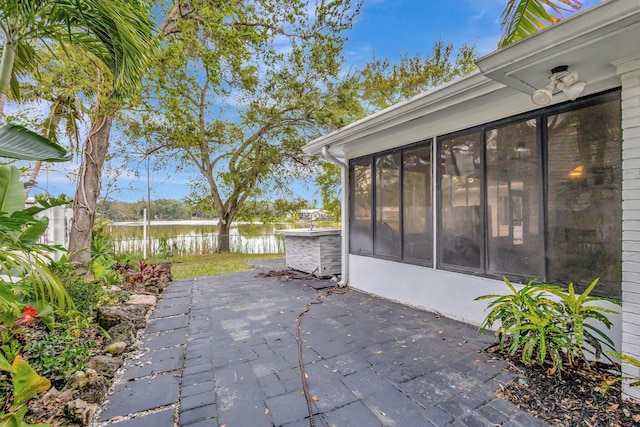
(448, 192)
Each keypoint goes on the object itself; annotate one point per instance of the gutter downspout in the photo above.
(344, 182)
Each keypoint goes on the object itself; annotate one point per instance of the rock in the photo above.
(110, 315)
(165, 273)
(77, 381)
(149, 300)
(122, 332)
(79, 411)
(115, 348)
(154, 286)
(55, 395)
(106, 366)
(88, 386)
(111, 289)
(95, 390)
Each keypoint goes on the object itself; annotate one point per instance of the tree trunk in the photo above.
(94, 153)
(32, 178)
(224, 227)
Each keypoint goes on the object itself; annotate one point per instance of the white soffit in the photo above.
(588, 42)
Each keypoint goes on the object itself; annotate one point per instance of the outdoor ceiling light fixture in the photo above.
(563, 79)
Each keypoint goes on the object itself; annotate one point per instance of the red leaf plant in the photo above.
(28, 314)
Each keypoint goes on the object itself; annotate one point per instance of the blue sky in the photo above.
(386, 28)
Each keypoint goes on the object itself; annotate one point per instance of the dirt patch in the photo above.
(588, 395)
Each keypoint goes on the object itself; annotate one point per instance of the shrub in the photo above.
(545, 329)
(58, 354)
(84, 294)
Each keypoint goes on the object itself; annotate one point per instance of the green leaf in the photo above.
(35, 230)
(17, 142)
(26, 382)
(43, 205)
(11, 189)
(5, 365)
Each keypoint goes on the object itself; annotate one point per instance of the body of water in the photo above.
(178, 238)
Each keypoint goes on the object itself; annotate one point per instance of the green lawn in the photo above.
(209, 265)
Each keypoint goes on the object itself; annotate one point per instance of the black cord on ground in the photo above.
(318, 300)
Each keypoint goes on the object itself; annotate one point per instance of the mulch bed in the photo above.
(589, 395)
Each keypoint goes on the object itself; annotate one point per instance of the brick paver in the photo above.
(369, 362)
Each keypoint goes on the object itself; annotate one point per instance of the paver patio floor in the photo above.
(222, 351)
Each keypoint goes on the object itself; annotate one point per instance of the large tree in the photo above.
(240, 87)
(383, 82)
(126, 27)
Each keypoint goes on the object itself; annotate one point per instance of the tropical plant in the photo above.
(509, 310)
(26, 385)
(25, 382)
(84, 293)
(527, 323)
(17, 142)
(521, 18)
(545, 323)
(117, 33)
(576, 310)
(21, 257)
(145, 272)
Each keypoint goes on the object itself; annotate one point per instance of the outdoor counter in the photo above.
(315, 251)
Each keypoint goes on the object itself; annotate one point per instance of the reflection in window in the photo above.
(585, 203)
(387, 231)
(361, 241)
(514, 200)
(416, 204)
(461, 183)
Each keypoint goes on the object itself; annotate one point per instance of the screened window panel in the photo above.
(585, 197)
(515, 243)
(417, 205)
(461, 215)
(361, 229)
(387, 219)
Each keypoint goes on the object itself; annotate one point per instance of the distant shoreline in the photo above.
(176, 222)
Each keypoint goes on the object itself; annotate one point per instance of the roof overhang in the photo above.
(590, 42)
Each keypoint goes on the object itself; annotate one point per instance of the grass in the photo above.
(187, 267)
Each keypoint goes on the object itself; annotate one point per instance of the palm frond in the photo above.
(521, 18)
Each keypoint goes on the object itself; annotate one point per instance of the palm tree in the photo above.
(96, 25)
(521, 18)
(119, 33)
(129, 30)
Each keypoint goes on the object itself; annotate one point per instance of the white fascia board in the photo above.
(454, 92)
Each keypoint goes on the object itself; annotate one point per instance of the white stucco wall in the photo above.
(448, 293)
